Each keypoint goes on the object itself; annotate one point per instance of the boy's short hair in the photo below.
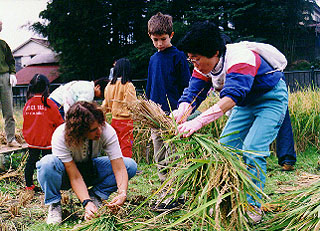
(160, 24)
(204, 38)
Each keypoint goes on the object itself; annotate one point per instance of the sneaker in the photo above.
(32, 187)
(287, 167)
(168, 204)
(54, 214)
(255, 214)
(95, 199)
(173, 205)
(14, 144)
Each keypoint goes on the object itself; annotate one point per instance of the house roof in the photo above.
(25, 75)
(43, 42)
(42, 59)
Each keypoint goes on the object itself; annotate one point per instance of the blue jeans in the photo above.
(254, 127)
(285, 143)
(52, 177)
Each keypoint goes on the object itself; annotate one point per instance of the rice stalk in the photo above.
(305, 117)
(212, 176)
(300, 210)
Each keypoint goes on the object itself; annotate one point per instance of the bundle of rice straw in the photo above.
(213, 177)
(300, 210)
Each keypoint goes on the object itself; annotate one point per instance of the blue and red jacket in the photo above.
(246, 76)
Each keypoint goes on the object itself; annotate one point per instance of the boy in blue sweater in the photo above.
(168, 75)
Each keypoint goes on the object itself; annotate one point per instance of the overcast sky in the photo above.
(16, 13)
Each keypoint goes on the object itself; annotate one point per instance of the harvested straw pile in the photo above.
(300, 210)
(213, 177)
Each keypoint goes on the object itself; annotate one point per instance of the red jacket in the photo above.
(39, 122)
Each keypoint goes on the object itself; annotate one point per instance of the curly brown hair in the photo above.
(78, 120)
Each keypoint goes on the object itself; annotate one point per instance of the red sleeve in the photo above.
(198, 75)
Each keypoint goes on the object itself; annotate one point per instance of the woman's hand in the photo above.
(181, 114)
(117, 202)
(210, 115)
(90, 211)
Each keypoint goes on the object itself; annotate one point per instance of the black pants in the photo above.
(34, 156)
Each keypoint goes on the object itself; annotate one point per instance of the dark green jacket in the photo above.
(7, 63)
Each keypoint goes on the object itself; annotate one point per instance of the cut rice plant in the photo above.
(300, 210)
(212, 177)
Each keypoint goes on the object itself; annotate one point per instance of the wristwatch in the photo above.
(85, 202)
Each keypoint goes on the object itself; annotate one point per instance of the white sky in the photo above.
(16, 13)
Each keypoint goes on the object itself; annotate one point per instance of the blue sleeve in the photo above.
(196, 92)
(237, 86)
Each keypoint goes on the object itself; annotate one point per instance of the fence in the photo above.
(20, 94)
(295, 80)
(299, 79)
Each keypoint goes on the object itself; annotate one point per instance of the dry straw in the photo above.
(300, 210)
(212, 177)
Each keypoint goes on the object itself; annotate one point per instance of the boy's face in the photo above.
(161, 42)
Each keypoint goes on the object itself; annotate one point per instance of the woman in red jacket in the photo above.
(40, 118)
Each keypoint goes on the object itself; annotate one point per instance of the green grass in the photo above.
(32, 215)
(140, 188)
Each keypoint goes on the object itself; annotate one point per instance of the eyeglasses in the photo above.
(194, 61)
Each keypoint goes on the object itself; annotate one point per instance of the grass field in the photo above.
(25, 211)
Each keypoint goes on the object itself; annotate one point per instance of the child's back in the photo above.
(40, 118)
(168, 72)
(39, 122)
(118, 93)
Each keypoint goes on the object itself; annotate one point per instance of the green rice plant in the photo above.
(213, 178)
(300, 211)
(304, 110)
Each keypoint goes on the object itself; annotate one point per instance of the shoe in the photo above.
(54, 214)
(14, 144)
(255, 214)
(287, 167)
(168, 205)
(95, 199)
(32, 187)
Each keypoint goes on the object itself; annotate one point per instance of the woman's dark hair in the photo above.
(79, 118)
(39, 84)
(102, 82)
(204, 38)
(122, 69)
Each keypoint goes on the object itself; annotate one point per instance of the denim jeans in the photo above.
(253, 127)
(285, 144)
(52, 177)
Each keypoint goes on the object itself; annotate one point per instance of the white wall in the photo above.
(29, 50)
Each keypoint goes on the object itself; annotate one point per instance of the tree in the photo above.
(88, 35)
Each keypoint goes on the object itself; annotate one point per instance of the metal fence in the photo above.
(295, 80)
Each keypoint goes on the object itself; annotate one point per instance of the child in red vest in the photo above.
(40, 118)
